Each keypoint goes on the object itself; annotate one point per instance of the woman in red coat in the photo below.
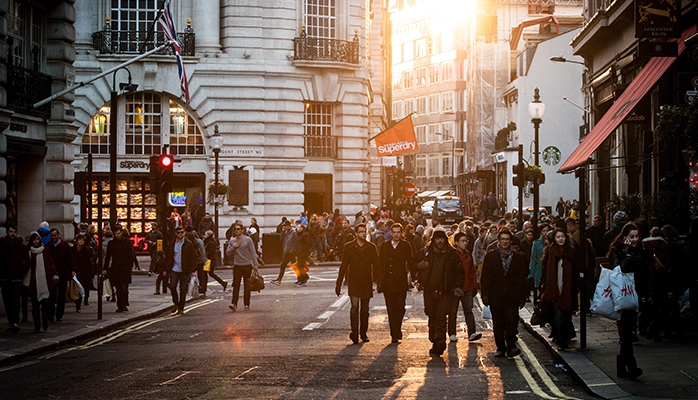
(41, 278)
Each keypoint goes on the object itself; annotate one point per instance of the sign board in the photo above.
(409, 189)
(657, 19)
(389, 161)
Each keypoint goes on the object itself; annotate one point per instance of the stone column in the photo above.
(206, 22)
(5, 115)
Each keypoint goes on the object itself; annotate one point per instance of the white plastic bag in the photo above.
(603, 298)
(486, 312)
(623, 290)
(80, 288)
(193, 288)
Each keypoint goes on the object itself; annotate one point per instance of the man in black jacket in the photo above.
(503, 288)
(181, 266)
(441, 276)
(14, 263)
(118, 263)
(63, 259)
(397, 262)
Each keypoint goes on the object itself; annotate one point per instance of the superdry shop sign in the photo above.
(657, 19)
(398, 139)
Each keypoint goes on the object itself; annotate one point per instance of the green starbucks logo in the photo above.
(551, 155)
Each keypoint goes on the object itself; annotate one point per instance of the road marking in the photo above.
(340, 302)
(312, 326)
(529, 379)
(249, 370)
(124, 375)
(182, 375)
(325, 315)
(542, 372)
(20, 365)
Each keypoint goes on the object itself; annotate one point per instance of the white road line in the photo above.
(340, 301)
(249, 370)
(325, 315)
(312, 326)
(180, 376)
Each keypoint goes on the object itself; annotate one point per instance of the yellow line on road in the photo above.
(529, 379)
(543, 373)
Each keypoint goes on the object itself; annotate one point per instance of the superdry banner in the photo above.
(398, 139)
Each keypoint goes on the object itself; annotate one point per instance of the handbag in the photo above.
(255, 282)
(73, 293)
(602, 304)
(80, 288)
(623, 290)
(193, 288)
(106, 287)
(542, 313)
(207, 266)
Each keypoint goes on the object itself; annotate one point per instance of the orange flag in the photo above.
(398, 139)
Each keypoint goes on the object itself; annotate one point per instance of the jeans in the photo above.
(180, 279)
(395, 305)
(505, 322)
(467, 301)
(241, 272)
(288, 258)
(359, 319)
(11, 291)
(439, 307)
(57, 300)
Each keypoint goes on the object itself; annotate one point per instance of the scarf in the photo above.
(563, 301)
(506, 258)
(39, 272)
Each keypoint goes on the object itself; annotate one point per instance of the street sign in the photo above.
(410, 189)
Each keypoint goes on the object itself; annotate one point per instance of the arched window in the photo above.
(150, 121)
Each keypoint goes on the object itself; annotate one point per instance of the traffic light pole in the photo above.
(519, 215)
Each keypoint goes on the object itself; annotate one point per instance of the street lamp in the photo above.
(536, 109)
(564, 60)
(216, 145)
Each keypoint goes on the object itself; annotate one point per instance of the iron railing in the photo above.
(320, 146)
(26, 87)
(109, 41)
(310, 48)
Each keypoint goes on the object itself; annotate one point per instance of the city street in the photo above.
(293, 343)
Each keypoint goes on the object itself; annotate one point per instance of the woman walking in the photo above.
(83, 267)
(40, 280)
(213, 254)
(630, 256)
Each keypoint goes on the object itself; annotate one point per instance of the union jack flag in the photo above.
(168, 26)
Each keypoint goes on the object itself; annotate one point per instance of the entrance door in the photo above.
(317, 193)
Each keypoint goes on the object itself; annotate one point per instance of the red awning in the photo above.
(638, 88)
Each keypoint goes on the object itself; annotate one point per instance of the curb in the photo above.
(595, 381)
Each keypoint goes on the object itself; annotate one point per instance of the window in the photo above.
(150, 121)
(447, 131)
(447, 71)
(317, 128)
(408, 107)
(435, 44)
(420, 48)
(434, 164)
(434, 105)
(397, 54)
(433, 130)
(421, 105)
(397, 108)
(407, 80)
(421, 132)
(421, 75)
(446, 165)
(397, 82)
(421, 164)
(25, 35)
(407, 51)
(130, 17)
(433, 74)
(321, 19)
(447, 101)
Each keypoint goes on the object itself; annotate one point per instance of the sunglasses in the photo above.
(238, 229)
(178, 232)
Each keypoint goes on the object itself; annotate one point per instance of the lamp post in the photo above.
(216, 145)
(536, 109)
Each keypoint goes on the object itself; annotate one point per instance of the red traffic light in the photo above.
(166, 161)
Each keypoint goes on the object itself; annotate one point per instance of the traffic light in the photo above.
(518, 170)
(165, 168)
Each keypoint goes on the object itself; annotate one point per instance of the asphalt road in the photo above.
(292, 344)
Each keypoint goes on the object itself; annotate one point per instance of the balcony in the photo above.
(26, 87)
(108, 41)
(320, 146)
(321, 49)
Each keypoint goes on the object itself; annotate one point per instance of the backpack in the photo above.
(200, 257)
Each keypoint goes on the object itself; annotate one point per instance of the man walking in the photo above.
(181, 266)
(469, 292)
(504, 289)
(442, 277)
(151, 238)
(62, 256)
(289, 238)
(303, 248)
(397, 263)
(241, 250)
(14, 263)
(361, 267)
(118, 264)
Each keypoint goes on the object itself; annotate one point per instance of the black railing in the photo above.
(26, 87)
(109, 41)
(309, 48)
(321, 146)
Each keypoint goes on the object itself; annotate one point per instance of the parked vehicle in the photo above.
(427, 208)
(542, 213)
(447, 210)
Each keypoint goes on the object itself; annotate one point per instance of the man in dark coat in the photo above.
(302, 250)
(503, 288)
(206, 224)
(118, 264)
(441, 276)
(181, 266)
(361, 267)
(62, 256)
(14, 263)
(151, 239)
(397, 262)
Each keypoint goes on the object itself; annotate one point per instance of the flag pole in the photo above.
(408, 116)
(105, 73)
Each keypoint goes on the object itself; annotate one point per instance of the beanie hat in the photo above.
(45, 234)
(439, 232)
(620, 217)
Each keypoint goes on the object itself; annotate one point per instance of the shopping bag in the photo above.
(543, 313)
(602, 304)
(72, 293)
(486, 312)
(106, 287)
(296, 271)
(193, 288)
(207, 266)
(255, 282)
(80, 288)
(623, 290)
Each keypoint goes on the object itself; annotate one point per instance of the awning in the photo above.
(638, 88)
(427, 193)
(440, 193)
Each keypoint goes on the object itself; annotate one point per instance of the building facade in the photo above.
(291, 89)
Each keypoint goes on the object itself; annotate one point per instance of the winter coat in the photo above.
(62, 256)
(632, 259)
(361, 266)
(500, 289)
(119, 261)
(14, 259)
(188, 256)
(470, 278)
(396, 263)
(213, 251)
(453, 273)
(84, 265)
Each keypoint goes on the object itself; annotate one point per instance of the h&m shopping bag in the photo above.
(602, 304)
(623, 290)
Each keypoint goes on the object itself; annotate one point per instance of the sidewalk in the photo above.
(670, 369)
